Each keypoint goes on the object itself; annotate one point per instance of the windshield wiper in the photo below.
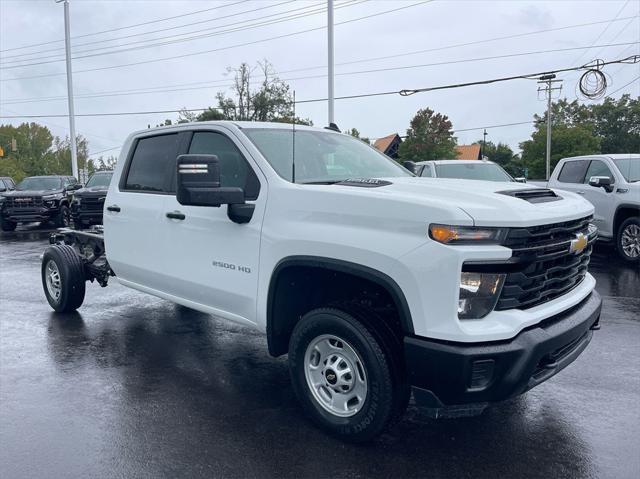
(323, 182)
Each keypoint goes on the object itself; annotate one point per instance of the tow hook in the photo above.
(595, 326)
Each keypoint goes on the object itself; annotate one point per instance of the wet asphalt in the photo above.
(134, 386)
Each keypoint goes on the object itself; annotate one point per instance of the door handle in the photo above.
(176, 215)
(114, 208)
(580, 192)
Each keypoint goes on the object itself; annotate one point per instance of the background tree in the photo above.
(104, 164)
(356, 134)
(565, 141)
(429, 137)
(612, 126)
(272, 100)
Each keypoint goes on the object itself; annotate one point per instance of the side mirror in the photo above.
(409, 165)
(198, 183)
(605, 182)
(3, 189)
(521, 179)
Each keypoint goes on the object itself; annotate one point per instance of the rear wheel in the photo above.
(7, 225)
(628, 239)
(63, 278)
(341, 374)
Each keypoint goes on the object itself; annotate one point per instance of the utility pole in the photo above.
(72, 120)
(549, 89)
(484, 144)
(331, 94)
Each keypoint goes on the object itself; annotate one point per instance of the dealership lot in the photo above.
(134, 386)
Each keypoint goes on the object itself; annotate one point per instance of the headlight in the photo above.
(479, 294)
(466, 234)
(56, 196)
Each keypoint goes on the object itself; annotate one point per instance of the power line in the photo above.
(378, 70)
(125, 27)
(604, 30)
(624, 86)
(406, 92)
(171, 42)
(239, 26)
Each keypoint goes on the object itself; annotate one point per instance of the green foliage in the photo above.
(271, 101)
(565, 141)
(356, 134)
(38, 152)
(612, 126)
(103, 164)
(429, 137)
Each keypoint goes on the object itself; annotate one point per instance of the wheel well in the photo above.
(300, 285)
(622, 213)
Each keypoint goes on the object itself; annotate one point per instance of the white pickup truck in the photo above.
(612, 184)
(374, 282)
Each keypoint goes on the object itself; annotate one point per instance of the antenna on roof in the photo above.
(293, 142)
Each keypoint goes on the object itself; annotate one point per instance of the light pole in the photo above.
(331, 94)
(72, 120)
(549, 80)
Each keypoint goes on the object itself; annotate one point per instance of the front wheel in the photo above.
(7, 225)
(628, 239)
(341, 375)
(63, 278)
(64, 217)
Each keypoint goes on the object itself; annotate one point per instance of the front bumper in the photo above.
(447, 373)
(87, 217)
(39, 213)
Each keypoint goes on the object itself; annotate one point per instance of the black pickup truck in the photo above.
(88, 202)
(38, 198)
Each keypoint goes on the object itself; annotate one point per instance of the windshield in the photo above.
(99, 179)
(322, 157)
(39, 183)
(629, 167)
(472, 171)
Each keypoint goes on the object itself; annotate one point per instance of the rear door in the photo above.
(214, 261)
(133, 216)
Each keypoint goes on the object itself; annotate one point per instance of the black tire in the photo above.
(63, 220)
(71, 278)
(372, 415)
(7, 225)
(630, 225)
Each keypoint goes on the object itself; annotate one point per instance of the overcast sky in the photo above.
(195, 78)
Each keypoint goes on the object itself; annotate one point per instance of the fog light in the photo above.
(479, 294)
(481, 373)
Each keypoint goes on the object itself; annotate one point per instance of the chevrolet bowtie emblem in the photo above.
(579, 244)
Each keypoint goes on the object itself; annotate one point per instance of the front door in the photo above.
(215, 261)
(602, 200)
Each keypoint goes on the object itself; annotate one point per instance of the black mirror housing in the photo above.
(198, 183)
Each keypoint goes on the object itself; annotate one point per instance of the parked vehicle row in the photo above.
(54, 199)
(374, 282)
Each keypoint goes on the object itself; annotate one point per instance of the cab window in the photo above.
(152, 164)
(234, 169)
(573, 171)
(598, 168)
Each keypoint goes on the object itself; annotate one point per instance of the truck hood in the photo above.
(22, 193)
(487, 202)
(92, 191)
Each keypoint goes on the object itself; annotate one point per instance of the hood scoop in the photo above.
(533, 195)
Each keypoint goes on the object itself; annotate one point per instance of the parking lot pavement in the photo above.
(133, 386)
